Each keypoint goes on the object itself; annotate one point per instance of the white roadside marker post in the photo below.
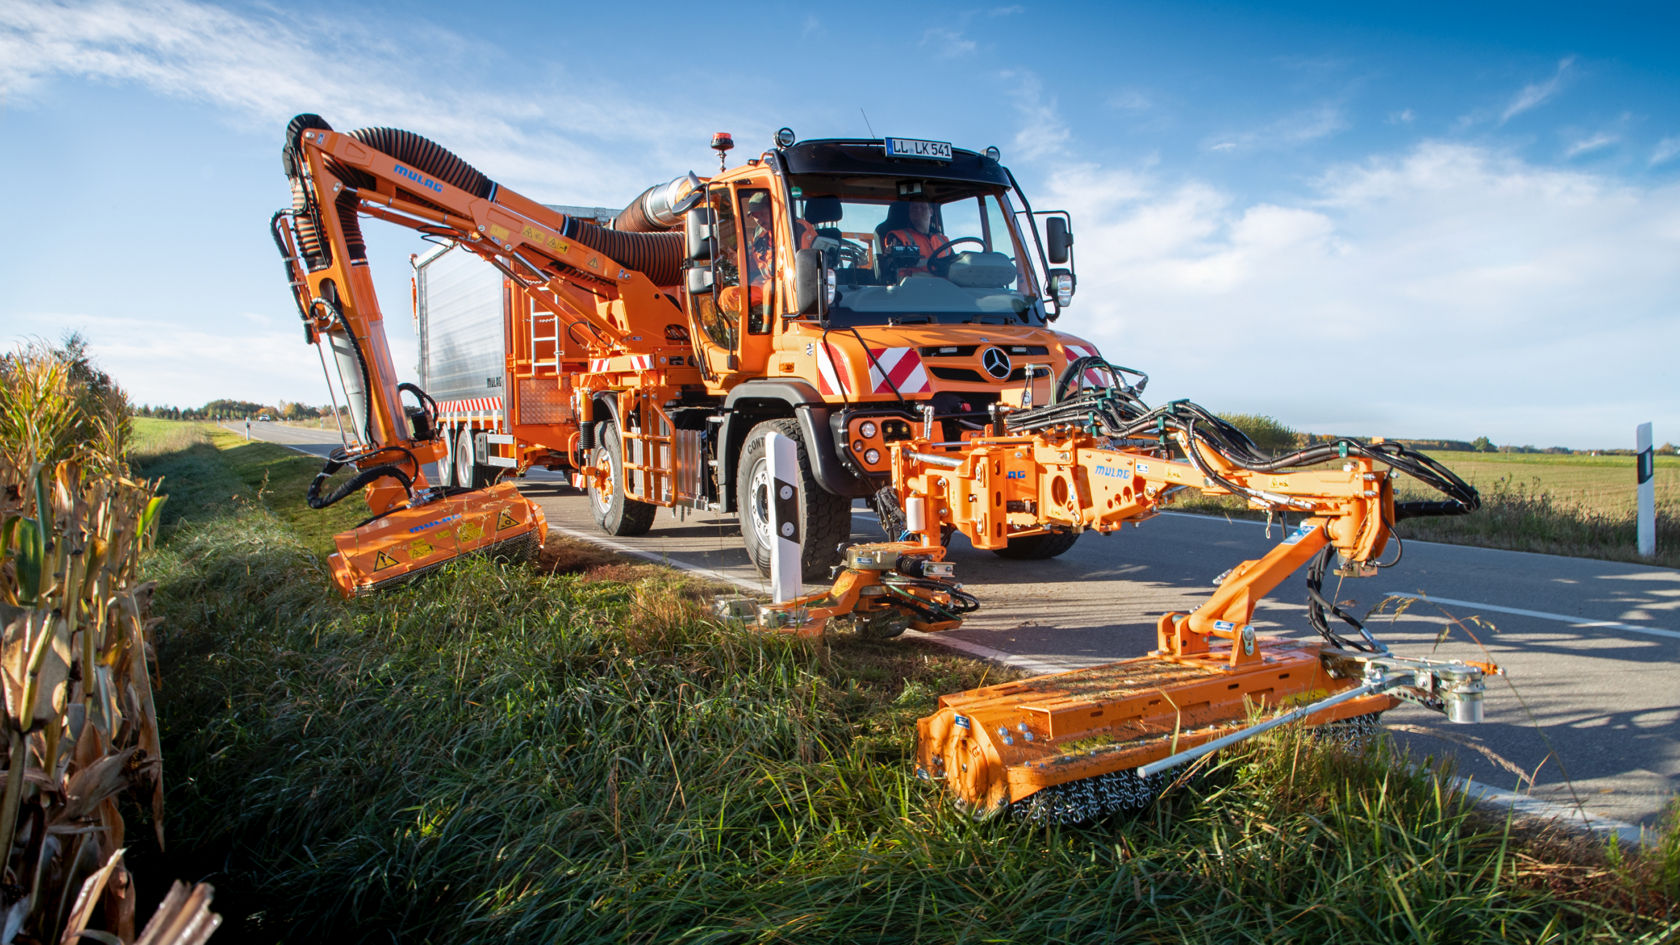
(785, 574)
(1646, 466)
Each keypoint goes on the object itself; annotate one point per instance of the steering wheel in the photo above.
(945, 255)
(854, 255)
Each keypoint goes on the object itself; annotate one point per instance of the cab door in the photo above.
(735, 317)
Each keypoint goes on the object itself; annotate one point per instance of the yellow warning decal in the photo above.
(469, 531)
(506, 521)
(537, 236)
(499, 233)
(419, 548)
(384, 561)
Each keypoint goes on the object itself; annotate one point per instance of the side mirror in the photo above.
(1059, 239)
(813, 284)
(700, 279)
(700, 243)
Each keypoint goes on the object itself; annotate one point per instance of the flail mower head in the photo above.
(412, 541)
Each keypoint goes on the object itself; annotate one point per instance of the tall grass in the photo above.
(498, 754)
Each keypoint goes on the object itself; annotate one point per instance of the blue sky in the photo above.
(1402, 220)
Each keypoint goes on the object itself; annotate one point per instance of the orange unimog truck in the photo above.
(886, 305)
(795, 293)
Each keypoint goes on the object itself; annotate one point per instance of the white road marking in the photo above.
(762, 587)
(1568, 814)
(1542, 615)
(1023, 663)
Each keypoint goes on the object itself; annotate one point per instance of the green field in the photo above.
(1541, 502)
(1602, 484)
(576, 753)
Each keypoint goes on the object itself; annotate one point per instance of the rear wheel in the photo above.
(446, 465)
(825, 519)
(616, 513)
(467, 472)
(1037, 547)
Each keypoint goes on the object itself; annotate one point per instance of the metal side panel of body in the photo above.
(688, 471)
(459, 308)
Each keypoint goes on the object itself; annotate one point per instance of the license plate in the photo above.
(917, 148)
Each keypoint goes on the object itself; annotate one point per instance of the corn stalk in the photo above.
(80, 728)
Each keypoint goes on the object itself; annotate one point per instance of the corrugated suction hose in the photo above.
(657, 255)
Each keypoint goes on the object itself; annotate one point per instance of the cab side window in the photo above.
(758, 261)
(719, 311)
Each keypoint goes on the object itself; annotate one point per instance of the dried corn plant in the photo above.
(75, 678)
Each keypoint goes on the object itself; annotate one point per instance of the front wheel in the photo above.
(1037, 547)
(825, 519)
(617, 514)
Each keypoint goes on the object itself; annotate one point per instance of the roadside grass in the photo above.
(577, 753)
(1552, 504)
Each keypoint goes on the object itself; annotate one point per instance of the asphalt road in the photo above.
(1587, 716)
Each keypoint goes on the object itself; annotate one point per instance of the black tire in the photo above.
(468, 474)
(825, 519)
(617, 514)
(1037, 547)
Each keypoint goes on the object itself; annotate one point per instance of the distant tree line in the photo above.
(235, 410)
(1275, 437)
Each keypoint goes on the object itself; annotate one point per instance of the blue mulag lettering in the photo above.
(1111, 472)
(434, 522)
(419, 178)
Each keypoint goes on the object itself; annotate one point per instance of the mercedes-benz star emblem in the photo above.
(996, 363)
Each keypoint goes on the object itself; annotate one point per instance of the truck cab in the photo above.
(856, 284)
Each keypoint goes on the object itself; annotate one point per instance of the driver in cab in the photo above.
(919, 233)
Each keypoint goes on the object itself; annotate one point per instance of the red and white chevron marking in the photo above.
(638, 362)
(832, 377)
(471, 405)
(1094, 377)
(897, 369)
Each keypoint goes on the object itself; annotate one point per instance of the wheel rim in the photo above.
(758, 486)
(604, 495)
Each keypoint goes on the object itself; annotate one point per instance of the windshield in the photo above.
(920, 261)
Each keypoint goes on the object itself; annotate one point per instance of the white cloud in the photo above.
(254, 356)
(1446, 291)
(261, 68)
(1130, 100)
(1403, 117)
(948, 43)
(1537, 93)
(1666, 150)
(1042, 131)
(1292, 130)
(1594, 142)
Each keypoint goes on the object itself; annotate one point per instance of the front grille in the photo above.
(956, 374)
(968, 351)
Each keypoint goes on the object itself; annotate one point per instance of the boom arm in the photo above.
(603, 285)
(1069, 745)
